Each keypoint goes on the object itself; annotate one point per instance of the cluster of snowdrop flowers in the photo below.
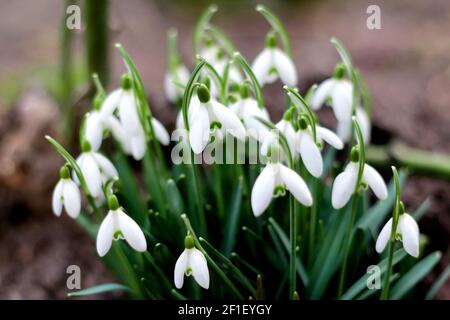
(222, 97)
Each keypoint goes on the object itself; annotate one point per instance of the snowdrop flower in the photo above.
(343, 129)
(191, 262)
(211, 115)
(345, 183)
(118, 225)
(273, 181)
(340, 91)
(407, 232)
(309, 151)
(272, 63)
(179, 75)
(246, 108)
(96, 169)
(67, 195)
(129, 131)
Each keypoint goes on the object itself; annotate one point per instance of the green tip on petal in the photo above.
(113, 203)
(189, 242)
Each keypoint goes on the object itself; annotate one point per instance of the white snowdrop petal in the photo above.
(92, 175)
(343, 130)
(230, 122)
(262, 191)
(286, 128)
(409, 230)
(180, 269)
(267, 142)
(311, 156)
(105, 165)
(322, 93)
(138, 145)
(344, 186)
(170, 88)
(364, 124)
(160, 132)
(200, 272)
(105, 235)
(118, 133)
(285, 67)
(129, 117)
(110, 103)
(296, 185)
(131, 232)
(94, 130)
(383, 237)
(199, 130)
(57, 203)
(72, 198)
(261, 66)
(375, 181)
(330, 137)
(342, 101)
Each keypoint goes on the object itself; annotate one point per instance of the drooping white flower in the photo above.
(246, 108)
(130, 133)
(118, 225)
(340, 91)
(272, 63)
(344, 128)
(179, 75)
(309, 151)
(96, 169)
(191, 262)
(211, 115)
(345, 183)
(66, 194)
(407, 232)
(273, 180)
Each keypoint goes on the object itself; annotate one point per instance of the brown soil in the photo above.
(406, 64)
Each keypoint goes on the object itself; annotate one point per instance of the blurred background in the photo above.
(44, 68)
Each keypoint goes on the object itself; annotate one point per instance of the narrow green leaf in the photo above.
(413, 276)
(361, 284)
(301, 270)
(370, 292)
(107, 287)
(422, 209)
(440, 281)
(232, 219)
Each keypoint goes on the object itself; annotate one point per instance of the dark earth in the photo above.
(406, 65)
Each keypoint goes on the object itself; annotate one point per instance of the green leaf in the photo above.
(106, 287)
(232, 219)
(422, 209)
(86, 223)
(361, 284)
(370, 292)
(220, 257)
(286, 243)
(440, 281)
(413, 276)
(129, 190)
(176, 203)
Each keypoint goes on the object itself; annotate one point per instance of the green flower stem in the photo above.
(248, 71)
(278, 26)
(216, 268)
(199, 28)
(293, 237)
(349, 233)
(218, 190)
(97, 38)
(130, 275)
(395, 216)
(313, 220)
(347, 244)
(172, 38)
